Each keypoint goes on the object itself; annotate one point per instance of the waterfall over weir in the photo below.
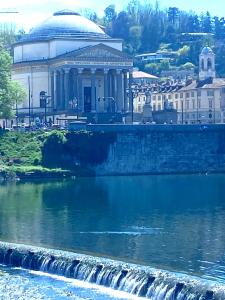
(137, 280)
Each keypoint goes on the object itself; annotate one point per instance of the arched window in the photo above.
(202, 65)
(209, 64)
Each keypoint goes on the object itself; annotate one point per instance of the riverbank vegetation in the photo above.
(52, 154)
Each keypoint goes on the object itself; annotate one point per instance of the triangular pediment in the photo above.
(98, 52)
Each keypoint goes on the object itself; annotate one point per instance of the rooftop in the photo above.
(65, 23)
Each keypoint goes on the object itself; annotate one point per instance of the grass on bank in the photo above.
(21, 149)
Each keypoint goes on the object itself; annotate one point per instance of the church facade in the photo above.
(68, 65)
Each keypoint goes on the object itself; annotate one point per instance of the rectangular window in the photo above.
(192, 94)
(181, 95)
(154, 98)
(187, 104)
(210, 93)
(159, 106)
(176, 103)
(159, 97)
(198, 93)
(199, 103)
(169, 97)
(193, 103)
(210, 103)
(154, 107)
(176, 96)
(187, 95)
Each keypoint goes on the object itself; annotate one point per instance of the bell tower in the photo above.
(207, 64)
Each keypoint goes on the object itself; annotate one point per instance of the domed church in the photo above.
(69, 65)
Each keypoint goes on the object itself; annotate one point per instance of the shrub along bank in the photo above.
(52, 154)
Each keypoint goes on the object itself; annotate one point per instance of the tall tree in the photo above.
(173, 14)
(10, 91)
(206, 22)
(109, 17)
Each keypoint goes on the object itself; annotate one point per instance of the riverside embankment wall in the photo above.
(158, 149)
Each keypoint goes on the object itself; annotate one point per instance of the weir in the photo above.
(141, 281)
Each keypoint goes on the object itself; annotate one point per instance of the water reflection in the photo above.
(173, 222)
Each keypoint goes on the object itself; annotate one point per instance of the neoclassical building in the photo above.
(75, 64)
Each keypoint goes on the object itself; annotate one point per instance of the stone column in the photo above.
(130, 90)
(125, 91)
(93, 91)
(67, 89)
(55, 90)
(75, 85)
(61, 100)
(119, 92)
(106, 89)
(52, 90)
(80, 90)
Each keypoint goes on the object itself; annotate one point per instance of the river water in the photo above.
(175, 223)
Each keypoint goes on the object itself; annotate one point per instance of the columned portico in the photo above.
(106, 91)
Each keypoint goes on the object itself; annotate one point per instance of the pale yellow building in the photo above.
(196, 101)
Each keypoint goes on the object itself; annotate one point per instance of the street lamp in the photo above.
(44, 102)
(16, 113)
(134, 93)
(182, 111)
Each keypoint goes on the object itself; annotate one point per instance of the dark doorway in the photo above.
(87, 99)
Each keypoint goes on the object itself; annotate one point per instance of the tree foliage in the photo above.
(10, 91)
(145, 26)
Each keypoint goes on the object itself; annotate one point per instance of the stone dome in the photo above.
(65, 24)
(206, 51)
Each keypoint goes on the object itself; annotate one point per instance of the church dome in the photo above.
(206, 51)
(65, 24)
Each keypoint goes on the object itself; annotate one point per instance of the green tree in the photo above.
(183, 54)
(173, 14)
(109, 17)
(121, 26)
(206, 22)
(89, 14)
(187, 66)
(152, 68)
(10, 91)
(135, 33)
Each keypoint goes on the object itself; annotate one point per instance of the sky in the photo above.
(32, 12)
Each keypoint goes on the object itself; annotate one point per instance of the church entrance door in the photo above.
(87, 99)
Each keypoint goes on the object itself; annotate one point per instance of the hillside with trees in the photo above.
(146, 27)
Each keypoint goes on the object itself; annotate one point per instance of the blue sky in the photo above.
(32, 12)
